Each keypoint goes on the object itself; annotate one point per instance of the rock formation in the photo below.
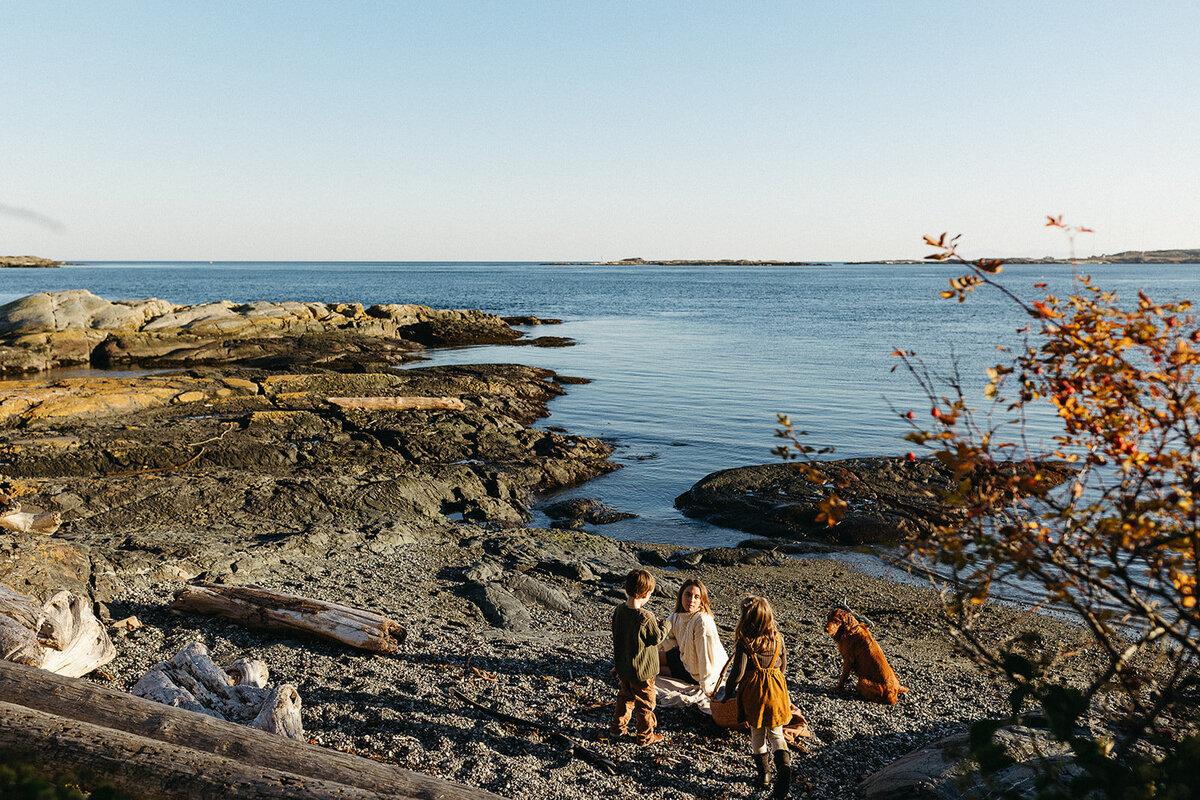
(75, 327)
(890, 498)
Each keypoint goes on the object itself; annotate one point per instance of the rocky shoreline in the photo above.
(276, 445)
(551, 663)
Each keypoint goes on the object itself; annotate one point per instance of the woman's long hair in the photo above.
(704, 606)
(756, 629)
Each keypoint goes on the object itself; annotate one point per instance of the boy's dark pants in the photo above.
(636, 698)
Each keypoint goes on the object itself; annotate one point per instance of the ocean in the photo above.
(688, 365)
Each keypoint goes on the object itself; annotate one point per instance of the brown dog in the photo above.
(861, 654)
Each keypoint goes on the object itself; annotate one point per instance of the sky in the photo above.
(514, 131)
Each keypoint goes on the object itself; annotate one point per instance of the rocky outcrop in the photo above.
(75, 327)
(943, 770)
(214, 473)
(889, 498)
(576, 511)
(28, 261)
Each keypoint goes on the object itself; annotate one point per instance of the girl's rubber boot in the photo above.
(763, 762)
(783, 775)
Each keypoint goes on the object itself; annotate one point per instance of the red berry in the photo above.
(936, 412)
(911, 456)
(910, 415)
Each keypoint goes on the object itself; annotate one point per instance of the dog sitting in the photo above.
(861, 654)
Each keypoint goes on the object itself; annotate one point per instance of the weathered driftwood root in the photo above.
(289, 613)
(572, 747)
(62, 636)
(397, 403)
(238, 693)
(153, 751)
(14, 519)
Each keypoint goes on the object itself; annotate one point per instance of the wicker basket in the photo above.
(725, 713)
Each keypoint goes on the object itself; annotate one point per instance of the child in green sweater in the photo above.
(636, 636)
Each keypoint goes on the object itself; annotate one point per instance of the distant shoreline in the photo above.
(727, 262)
(1126, 257)
(27, 262)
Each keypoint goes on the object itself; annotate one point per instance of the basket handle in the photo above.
(721, 677)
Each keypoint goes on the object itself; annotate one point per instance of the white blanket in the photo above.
(671, 693)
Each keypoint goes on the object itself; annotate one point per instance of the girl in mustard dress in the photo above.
(756, 678)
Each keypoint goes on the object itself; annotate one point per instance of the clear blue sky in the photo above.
(567, 130)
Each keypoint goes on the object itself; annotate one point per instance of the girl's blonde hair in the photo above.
(756, 629)
(704, 606)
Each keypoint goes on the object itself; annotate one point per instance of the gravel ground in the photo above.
(398, 708)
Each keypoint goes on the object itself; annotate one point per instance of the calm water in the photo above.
(689, 365)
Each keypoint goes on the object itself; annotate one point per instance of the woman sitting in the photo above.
(692, 654)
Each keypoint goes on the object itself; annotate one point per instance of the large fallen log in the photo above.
(397, 403)
(191, 680)
(62, 636)
(154, 751)
(276, 611)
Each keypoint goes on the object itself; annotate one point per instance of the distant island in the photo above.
(28, 261)
(1126, 257)
(727, 262)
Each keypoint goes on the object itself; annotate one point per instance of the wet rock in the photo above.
(531, 321)
(889, 498)
(686, 558)
(790, 548)
(655, 557)
(584, 510)
(734, 556)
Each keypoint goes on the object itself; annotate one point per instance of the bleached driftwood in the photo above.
(191, 680)
(14, 519)
(76, 642)
(248, 672)
(289, 613)
(397, 403)
(149, 750)
(62, 636)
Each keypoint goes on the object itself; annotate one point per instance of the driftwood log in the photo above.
(237, 693)
(62, 635)
(149, 750)
(14, 519)
(276, 611)
(397, 403)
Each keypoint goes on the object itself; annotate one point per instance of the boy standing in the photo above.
(636, 636)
